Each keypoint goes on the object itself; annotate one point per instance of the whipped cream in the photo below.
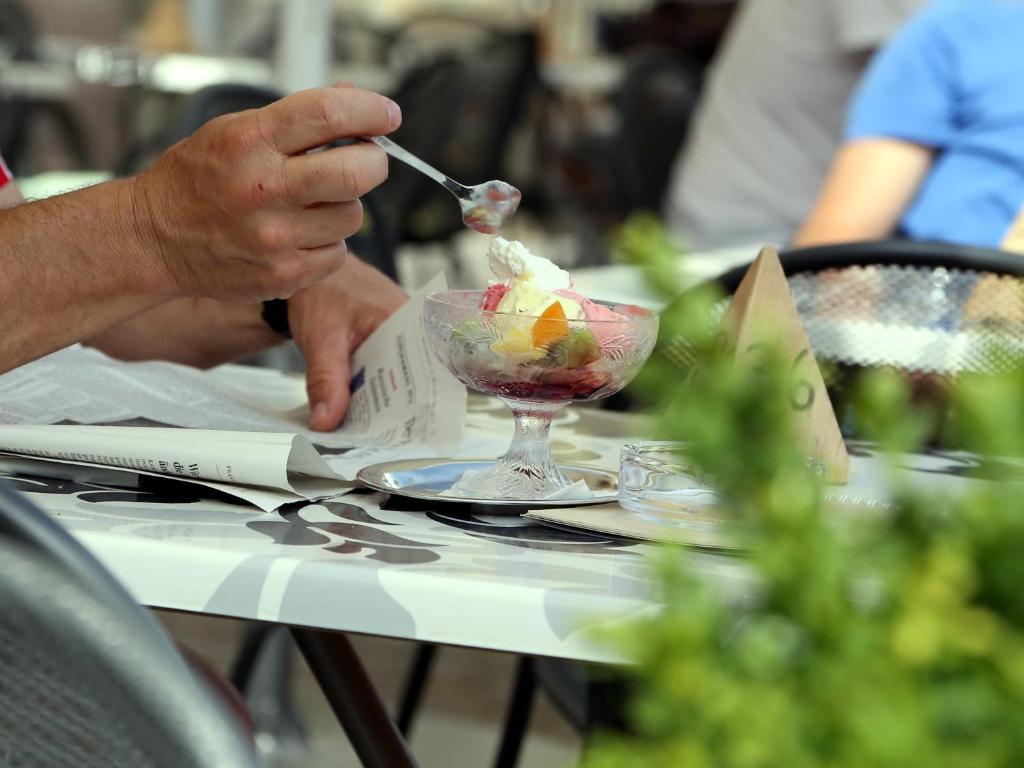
(527, 298)
(511, 262)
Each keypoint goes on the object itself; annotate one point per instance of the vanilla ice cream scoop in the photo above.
(531, 281)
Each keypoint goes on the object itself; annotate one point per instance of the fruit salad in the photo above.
(535, 337)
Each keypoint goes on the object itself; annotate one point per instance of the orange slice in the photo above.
(550, 326)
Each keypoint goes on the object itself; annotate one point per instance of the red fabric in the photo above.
(222, 687)
(5, 174)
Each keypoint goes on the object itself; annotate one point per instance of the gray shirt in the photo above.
(771, 117)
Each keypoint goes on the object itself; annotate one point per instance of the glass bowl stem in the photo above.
(529, 456)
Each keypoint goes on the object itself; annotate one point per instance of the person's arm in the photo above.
(71, 266)
(238, 212)
(329, 320)
(191, 331)
(870, 185)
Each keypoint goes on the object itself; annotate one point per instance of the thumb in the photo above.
(327, 383)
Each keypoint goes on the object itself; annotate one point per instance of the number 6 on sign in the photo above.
(763, 314)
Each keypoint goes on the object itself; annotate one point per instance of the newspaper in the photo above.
(266, 469)
(403, 402)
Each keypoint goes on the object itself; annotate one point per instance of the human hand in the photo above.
(241, 211)
(329, 320)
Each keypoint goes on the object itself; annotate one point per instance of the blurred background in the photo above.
(582, 104)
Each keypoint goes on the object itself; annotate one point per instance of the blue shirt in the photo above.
(953, 80)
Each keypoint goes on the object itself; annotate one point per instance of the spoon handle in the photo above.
(410, 159)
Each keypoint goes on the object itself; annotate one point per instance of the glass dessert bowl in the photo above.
(537, 350)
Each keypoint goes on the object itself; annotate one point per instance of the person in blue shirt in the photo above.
(934, 143)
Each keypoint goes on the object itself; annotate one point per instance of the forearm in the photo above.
(71, 266)
(198, 332)
(870, 185)
(240, 211)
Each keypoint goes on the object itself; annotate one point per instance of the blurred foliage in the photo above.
(893, 639)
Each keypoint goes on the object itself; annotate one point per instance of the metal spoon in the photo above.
(485, 207)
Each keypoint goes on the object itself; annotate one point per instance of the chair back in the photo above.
(17, 43)
(24, 524)
(196, 110)
(87, 678)
(458, 113)
(656, 100)
(931, 310)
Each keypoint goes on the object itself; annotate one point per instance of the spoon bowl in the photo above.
(489, 206)
(485, 207)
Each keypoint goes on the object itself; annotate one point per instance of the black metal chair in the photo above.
(929, 310)
(656, 101)
(87, 677)
(459, 110)
(601, 177)
(18, 36)
(195, 110)
(888, 253)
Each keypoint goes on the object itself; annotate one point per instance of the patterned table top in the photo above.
(435, 575)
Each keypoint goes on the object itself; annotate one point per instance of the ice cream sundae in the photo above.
(535, 337)
(538, 344)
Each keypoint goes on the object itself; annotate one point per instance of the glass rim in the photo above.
(649, 316)
(640, 453)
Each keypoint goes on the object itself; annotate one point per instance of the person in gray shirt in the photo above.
(771, 117)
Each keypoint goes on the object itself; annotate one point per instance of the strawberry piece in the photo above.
(493, 295)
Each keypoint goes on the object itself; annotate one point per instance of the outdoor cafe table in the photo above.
(363, 563)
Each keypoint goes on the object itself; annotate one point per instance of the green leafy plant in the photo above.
(896, 640)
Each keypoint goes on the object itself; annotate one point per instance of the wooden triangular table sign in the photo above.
(762, 312)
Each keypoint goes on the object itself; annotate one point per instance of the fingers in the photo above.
(327, 381)
(312, 228)
(302, 270)
(334, 176)
(327, 225)
(318, 116)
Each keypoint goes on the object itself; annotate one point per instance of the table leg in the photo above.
(414, 687)
(518, 716)
(355, 702)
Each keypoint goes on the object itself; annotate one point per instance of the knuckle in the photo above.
(230, 133)
(353, 216)
(262, 126)
(380, 164)
(337, 258)
(285, 275)
(271, 236)
(319, 177)
(318, 378)
(325, 266)
(352, 176)
(334, 113)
